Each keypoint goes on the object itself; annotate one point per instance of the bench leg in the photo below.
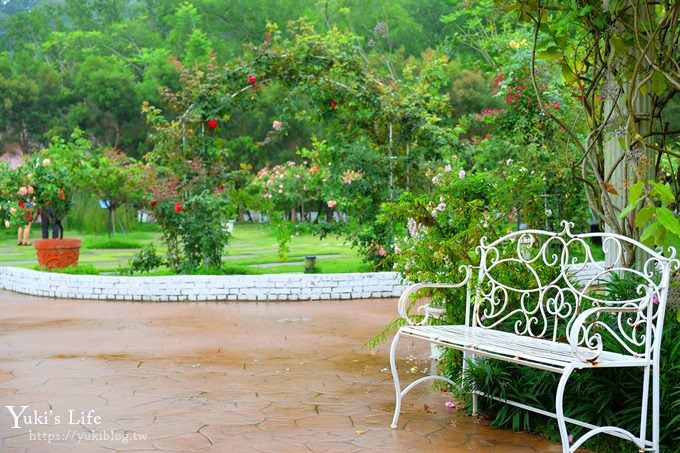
(475, 407)
(559, 409)
(395, 377)
(399, 393)
(655, 407)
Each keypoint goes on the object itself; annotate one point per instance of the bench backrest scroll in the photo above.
(540, 283)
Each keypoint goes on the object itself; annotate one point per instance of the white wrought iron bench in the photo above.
(524, 325)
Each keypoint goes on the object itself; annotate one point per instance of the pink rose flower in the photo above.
(331, 204)
(382, 251)
(277, 125)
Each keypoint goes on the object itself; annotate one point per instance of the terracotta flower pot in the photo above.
(57, 253)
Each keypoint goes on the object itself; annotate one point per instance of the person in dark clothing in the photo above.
(48, 216)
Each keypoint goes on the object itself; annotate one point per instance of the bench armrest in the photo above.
(591, 340)
(403, 304)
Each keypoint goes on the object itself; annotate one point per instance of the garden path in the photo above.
(220, 377)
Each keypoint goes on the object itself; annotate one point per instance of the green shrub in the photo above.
(146, 260)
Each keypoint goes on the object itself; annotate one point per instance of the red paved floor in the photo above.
(223, 377)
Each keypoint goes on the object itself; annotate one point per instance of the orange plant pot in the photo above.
(57, 253)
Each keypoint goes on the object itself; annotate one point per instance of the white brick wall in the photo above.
(218, 287)
(203, 287)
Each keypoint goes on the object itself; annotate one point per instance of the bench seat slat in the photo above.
(516, 347)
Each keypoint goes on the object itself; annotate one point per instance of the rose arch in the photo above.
(379, 130)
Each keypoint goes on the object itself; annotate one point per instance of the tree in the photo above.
(106, 84)
(114, 178)
(619, 59)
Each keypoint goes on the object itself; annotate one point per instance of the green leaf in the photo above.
(618, 45)
(644, 216)
(669, 221)
(627, 210)
(660, 236)
(647, 236)
(635, 191)
(671, 241)
(664, 192)
(600, 21)
(551, 53)
(658, 83)
(567, 74)
(585, 10)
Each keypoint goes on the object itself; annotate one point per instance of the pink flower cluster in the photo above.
(25, 190)
(486, 111)
(273, 180)
(414, 228)
(349, 176)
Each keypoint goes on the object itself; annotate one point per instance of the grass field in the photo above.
(252, 250)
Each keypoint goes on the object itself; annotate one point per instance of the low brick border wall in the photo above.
(203, 287)
(212, 287)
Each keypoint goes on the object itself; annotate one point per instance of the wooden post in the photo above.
(632, 162)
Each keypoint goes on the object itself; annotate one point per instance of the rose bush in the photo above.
(192, 222)
(54, 173)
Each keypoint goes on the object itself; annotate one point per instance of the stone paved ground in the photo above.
(223, 377)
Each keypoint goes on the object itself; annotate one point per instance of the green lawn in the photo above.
(253, 249)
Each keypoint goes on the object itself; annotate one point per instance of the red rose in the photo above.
(28, 217)
(252, 79)
(153, 203)
(212, 123)
(333, 103)
(178, 207)
(22, 204)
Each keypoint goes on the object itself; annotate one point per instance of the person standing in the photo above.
(27, 212)
(47, 217)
